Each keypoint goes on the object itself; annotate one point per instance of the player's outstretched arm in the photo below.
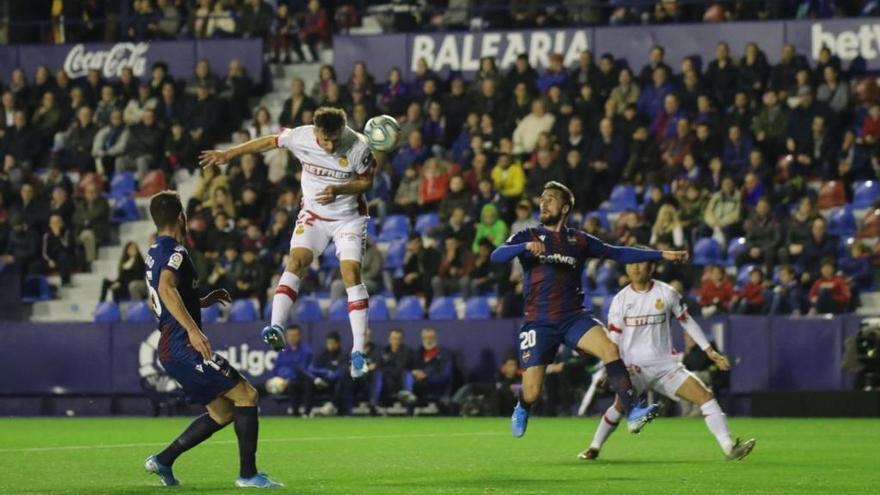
(171, 300)
(213, 157)
(507, 252)
(621, 254)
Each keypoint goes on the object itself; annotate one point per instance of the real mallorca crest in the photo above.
(343, 162)
(659, 304)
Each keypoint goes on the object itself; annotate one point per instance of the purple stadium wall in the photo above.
(110, 58)
(90, 358)
(850, 39)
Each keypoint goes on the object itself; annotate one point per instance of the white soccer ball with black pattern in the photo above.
(382, 133)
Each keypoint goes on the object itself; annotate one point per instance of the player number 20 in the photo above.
(527, 340)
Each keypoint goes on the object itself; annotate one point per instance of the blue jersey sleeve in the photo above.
(598, 249)
(514, 246)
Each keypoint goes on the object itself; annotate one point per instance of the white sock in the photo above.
(606, 427)
(285, 295)
(358, 302)
(716, 420)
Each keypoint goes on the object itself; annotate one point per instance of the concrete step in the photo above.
(63, 310)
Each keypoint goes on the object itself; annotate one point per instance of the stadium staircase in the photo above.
(78, 301)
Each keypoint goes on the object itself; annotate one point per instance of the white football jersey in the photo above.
(640, 322)
(320, 169)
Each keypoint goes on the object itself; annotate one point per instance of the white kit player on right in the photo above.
(639, 323)
(337, 170)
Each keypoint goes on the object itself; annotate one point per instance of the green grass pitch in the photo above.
(449, 455)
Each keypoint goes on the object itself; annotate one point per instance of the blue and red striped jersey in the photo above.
(167, 254)
(552, 285)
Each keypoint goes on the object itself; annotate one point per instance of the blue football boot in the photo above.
(641, 415)
(358, 364)
(163, 472)
(519, 421)
(274, 336)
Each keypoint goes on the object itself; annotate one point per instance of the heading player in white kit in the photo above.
(337, 169)
(639, 323)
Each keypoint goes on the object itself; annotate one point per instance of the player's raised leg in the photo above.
(597, 343)
(286, 294)
(245, 417)
(350, 238)
(358, 308)
(695, 391)
(532, 383)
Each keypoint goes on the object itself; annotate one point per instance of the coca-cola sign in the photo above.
(110, 62)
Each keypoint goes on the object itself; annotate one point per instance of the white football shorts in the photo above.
(664, 377)
(315, 233)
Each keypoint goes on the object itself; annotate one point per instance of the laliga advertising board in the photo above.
(111, 58)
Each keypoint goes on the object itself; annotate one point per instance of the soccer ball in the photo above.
(276, 385)
(382, 133)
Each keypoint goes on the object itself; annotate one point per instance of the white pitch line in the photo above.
(265, 440)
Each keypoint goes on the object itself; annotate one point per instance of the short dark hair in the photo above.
(329, 119)
(294, 327)
(334, 335)
(165, 208)
(566, 192)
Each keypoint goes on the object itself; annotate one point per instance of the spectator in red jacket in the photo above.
(315, 28)
(750, 298)
(830, 293)
(716, 293)
(434, 184)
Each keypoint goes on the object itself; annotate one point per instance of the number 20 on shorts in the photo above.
(527, 340)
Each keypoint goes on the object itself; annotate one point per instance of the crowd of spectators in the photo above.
(425, 380)
(302, 27)
(743, 152)
(64, 142)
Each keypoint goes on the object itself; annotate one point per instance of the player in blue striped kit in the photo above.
(553, 258)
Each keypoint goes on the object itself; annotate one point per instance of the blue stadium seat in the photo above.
(107, 312)
(267, 310)
(865, 193)
(442, 308)
(140, 312)
(841, 221)
(379, 309)
(396, 252)
(742, 276)
(707, 251)
(736, 247)
(329, 260)
(338, 310)
(123, 185)
(606, 306)
(372, 233)
(843, 247)
(307, 310)
(394, 227)
(211, 314)
(409, 308)
(605, 277)
(243, 311)
(623, 197)
(35, 288)
(124, 210)
(477, 308)
(425, 222)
